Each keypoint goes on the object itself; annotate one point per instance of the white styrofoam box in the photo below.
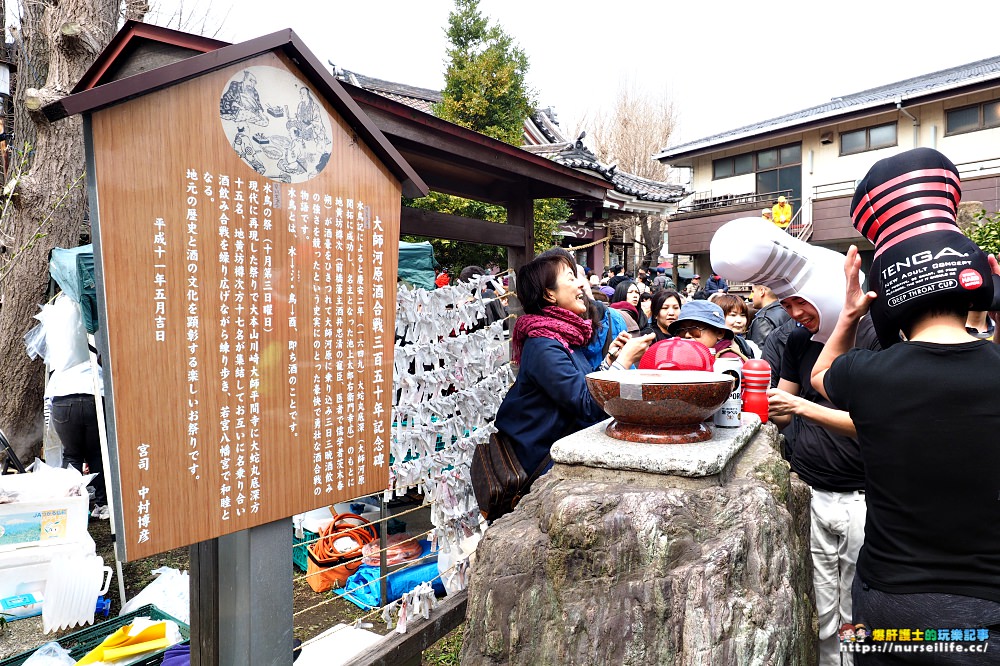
(337, 645)
(24, 571)
(22, 590)
(16, 557)
(42, 522)
(314, 520)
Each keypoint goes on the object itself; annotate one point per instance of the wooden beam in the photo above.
(416, 222)
(551, 179)
(446, 184)
(521, 213)
(396, 649)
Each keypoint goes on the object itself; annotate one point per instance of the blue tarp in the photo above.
(363, 587)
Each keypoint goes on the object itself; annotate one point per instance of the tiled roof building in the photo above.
(815, 156)
(542, 136)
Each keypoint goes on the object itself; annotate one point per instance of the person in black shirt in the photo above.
(926, 415)
(825, 455)
(927, 422)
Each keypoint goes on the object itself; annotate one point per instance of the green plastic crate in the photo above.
(79, 643)
(299, 556)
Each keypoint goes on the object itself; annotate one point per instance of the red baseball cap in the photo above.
(677, 354)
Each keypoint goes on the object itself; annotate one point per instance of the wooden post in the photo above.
(403, 649)
(204, 593)
(521, 213)
(241, 598)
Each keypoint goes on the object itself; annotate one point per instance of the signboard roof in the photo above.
(283, 41)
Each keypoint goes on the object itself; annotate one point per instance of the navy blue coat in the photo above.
(548, 401)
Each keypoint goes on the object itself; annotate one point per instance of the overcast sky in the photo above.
(724, 63)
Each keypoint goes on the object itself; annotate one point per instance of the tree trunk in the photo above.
(49, 205)
(651, 227)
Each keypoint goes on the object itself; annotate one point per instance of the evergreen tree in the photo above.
(485, 91)
(485, 87)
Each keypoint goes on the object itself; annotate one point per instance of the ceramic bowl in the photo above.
(659, 406)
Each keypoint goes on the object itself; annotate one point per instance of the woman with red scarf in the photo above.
(550, 399)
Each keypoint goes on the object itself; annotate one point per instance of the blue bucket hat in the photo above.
(703, 312)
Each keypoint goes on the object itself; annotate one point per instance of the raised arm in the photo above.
(856, 304)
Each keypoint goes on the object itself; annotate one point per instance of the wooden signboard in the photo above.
(247, 244)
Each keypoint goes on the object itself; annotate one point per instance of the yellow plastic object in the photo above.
(119, 644)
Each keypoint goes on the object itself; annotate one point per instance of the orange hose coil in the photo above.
(328, 566)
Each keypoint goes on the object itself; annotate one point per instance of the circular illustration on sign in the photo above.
(276, 124)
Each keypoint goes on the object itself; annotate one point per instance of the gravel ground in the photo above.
(20, 636)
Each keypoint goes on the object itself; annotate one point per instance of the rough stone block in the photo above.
(617, 571)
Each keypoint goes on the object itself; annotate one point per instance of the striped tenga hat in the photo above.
(907, 207)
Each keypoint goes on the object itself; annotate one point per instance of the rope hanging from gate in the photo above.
(606, 240)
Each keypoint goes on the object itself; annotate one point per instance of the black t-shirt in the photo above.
(822, 459)
(774, 349)
(928, 419)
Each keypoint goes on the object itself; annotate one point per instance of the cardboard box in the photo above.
(42, 522)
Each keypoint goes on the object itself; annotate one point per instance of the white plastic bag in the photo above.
(65, 343)
(169, 592)
(50, 654)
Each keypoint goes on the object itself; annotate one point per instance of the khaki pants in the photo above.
(837, 531)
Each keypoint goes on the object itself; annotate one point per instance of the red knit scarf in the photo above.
(556, 323)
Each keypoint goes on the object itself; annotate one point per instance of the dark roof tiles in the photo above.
(559, 150)
(421, 99)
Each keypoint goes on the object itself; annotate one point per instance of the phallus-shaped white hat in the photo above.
(751, 249)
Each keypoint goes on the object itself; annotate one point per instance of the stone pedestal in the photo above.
(650, 554)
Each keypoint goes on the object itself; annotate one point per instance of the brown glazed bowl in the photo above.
(659, 406)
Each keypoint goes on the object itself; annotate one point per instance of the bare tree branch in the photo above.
(637, 126)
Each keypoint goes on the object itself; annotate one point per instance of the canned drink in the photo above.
(728, 416)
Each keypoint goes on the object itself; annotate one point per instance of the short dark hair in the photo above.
(943, 304)
(730, 303)
(470, 272)
(621, 291)
(595, 313)
(539, 274)
(660, 297)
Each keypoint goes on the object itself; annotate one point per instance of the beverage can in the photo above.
(728, 416)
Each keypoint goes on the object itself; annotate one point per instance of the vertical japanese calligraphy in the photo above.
(248, 353)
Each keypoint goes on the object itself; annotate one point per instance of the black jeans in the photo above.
(75, 420)
(877, 609)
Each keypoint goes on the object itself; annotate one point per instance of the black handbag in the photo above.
(498, 479)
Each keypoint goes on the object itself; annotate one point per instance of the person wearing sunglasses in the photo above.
(705, 322)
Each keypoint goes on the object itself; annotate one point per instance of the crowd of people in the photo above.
(885, 398)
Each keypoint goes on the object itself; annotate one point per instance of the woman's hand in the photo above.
(617, 344)
(634, 349)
